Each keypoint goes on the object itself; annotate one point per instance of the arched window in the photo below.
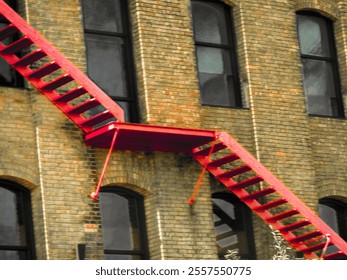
(233, 226)
(8, 76)
(319, 63)
(16, 231)
(109, 52)
(216, 53)
(334, 213)
(123, 224)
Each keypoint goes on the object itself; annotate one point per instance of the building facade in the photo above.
(271, 73)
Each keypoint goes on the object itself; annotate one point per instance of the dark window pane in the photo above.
(216, 57)
(215, 89)
(313, 36)
(103, 15)
(329, 215)
(6, 73)
(127, 110)
(215, 76)
(232, 226)
(109, 55)
(319, 87)
(209, 23)
(105, 63)
(334, 214)
(11, 221)
(122, 257)
(12, 255)
(119, 222)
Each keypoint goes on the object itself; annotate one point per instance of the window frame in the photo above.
(339, 207)
(332, 59)
(141, 221)
(129, 66)
(24, 195)
(230, 46)
(247, 224)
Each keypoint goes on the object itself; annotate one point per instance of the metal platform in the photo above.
(140, 137)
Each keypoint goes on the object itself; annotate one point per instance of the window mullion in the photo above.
(313, 57)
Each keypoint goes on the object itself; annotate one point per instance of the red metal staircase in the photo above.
(79, 98)
(56, 78)
(272, 201)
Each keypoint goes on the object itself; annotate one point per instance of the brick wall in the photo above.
(41, 149)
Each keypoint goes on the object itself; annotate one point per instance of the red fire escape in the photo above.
(216, 151)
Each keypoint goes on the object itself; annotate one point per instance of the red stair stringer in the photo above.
(58, 79)
(271, 200)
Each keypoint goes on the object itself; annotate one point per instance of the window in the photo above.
(109, 56)
(334, 213)
(8, 76)
(216, 54)
(16, 231)
(233, 226)
(123, 224)
(320, 70)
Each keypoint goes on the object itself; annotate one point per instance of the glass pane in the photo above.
(224, 219)
(5, 74)
(213, 60)
(102, 15)
(209, 21)
(105, 64)
(329, 215)
(230, 229)
(6, 78)
(217, 89)
(127, 112)
(119, 221)
(313, 35)
(225, 206)
(319, 87)
(12, 255)
(11, 220)
(122, 257)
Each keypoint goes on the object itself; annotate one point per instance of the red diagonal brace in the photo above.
(191, 200)
(94, 195)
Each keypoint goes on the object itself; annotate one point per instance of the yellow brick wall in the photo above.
(41, 149)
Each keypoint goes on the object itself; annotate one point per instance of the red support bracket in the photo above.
(191, 200)
(327, 243)
(95, 195)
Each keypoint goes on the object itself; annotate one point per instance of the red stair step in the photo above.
(56, 83)
(227, 159)
(314, 248)
(271, 204)
(8, 31)
(283, 215)
(334, 256)
(205, 152)
(258, 194)
(70, 95)
(30, 58)
(234, 172)
(85, 106)
(246, 183)
(43, 71)
(305, 236)
(17, 46)
(97, 119)
(295, 225)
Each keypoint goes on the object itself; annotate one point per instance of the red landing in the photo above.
(140, 137)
